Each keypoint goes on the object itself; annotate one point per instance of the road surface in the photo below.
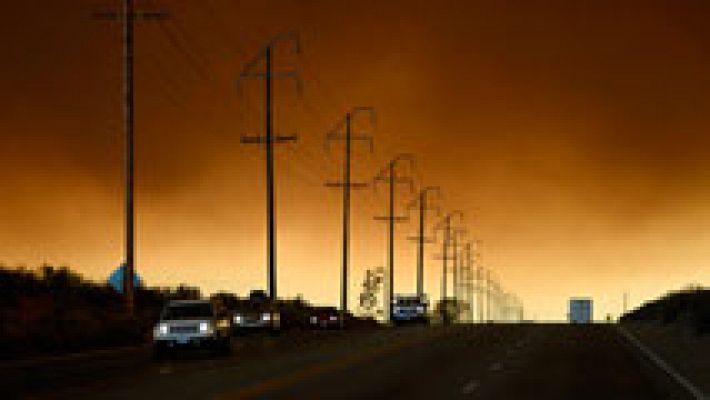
(464, 362)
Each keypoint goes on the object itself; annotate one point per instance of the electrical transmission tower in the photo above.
(346, 185)
(128, 16)
(390, 176)
(265, 56)
(422, 203)
(445, 225)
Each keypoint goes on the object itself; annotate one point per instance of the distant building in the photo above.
(580, 310)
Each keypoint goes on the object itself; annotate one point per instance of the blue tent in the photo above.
(116, 279)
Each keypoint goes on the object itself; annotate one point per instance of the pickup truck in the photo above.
(191, 324)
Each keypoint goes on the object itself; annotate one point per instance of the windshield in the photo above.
(408, 301)
(188, 311)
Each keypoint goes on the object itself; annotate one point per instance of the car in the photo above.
(258, 313)
(409, 309)
(325, 318)
(191, 324)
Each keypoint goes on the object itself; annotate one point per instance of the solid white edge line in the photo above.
(686, 384)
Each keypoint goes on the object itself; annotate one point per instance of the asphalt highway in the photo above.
(462, 362)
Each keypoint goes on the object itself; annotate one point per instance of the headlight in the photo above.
(237, 319)
(314, 319)
(333, 318)
(205, 327)
(420, 309)
(161, 329)
(396, 310)
(266, 317)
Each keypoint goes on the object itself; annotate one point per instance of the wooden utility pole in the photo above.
(421, 202)
(445, 225)
(469, 284)
(129, 270)
(128, 16)
(488, 295)
(457, 234)
(266, 54)
(346, 185)
(390, 176)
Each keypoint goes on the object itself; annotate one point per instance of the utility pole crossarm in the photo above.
(363, 137)
(406, 181)
(260, 55)
(394, 218)
(393, 163)
(424, 239)
(279, 74)
(355, 111)
(352, 185)
(263, 140)
(137, 15)
(446, 220)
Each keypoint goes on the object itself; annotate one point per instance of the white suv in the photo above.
(191, 324)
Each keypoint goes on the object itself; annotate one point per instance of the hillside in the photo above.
(690, 307)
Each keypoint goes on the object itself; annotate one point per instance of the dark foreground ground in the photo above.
(486, 362)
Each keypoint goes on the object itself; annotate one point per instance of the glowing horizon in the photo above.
(572, 136)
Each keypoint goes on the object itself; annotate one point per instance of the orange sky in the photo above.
(573, 136)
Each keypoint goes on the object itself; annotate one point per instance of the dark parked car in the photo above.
(258, 313)
(325, 318)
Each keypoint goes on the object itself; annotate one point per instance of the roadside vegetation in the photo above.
(55, 310)
(688, 307)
